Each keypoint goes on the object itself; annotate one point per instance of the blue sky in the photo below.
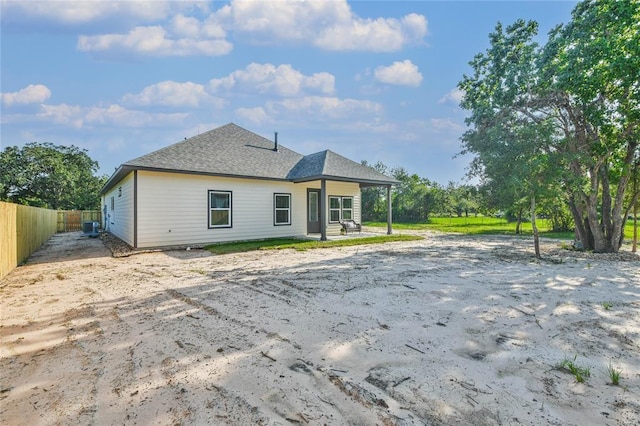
(370, 80)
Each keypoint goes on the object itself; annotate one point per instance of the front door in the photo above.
(313, 211)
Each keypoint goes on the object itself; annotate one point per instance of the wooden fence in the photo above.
(72, 220)
(23, 230)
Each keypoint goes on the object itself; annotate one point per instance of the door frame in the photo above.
(313, 227)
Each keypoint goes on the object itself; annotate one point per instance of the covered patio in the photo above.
(322, 211)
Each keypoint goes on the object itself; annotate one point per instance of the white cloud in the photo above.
(376, 35)
(88, 11)
(445, 125)
(374, 126)
(255, 115)
(174, 94)
(315, 109)
(277, 21)
(329, 25)
(329, 107)
(32, 94)
(113, 115)
(454, 96)
(282, 80)
(403, 73)
(155, 41)
(164, 28)
(185, 26)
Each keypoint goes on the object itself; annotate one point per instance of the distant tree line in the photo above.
(50, 176)
(415, 199)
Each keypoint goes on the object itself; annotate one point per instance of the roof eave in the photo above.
(116, 177)
(124, 170)
(362, 182)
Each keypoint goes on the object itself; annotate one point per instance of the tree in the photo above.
(415, 198)
(462, 199)
(46, 175)
(565, 115)
(374, 205)
(589, 74)
(510, 147)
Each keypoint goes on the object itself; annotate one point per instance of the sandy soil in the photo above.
(446, 331)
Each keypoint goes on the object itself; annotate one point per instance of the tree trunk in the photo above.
(600, 233)
(519, 222)
(635, 228)
(534, 226)
(607, 220)
(635, 208)
(580, 230)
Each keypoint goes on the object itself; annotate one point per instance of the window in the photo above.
(313, 206)
(334, 209)
(340, 208)
(347, 208)
(220, 209)
(282, 209)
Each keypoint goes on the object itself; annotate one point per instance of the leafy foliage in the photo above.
(562, 118)
(46, 175)
(374, 204)
(415, 199)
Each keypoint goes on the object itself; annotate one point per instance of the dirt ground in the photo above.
(445, 331)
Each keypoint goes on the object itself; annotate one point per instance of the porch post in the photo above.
(323, 210)
(389, 230)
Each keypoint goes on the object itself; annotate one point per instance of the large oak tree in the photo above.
(566, 113)
(51, 176)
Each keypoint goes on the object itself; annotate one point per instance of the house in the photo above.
(230, 184)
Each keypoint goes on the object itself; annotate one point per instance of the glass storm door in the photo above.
(313, 211)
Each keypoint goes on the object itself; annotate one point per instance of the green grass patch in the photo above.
(570, 366)
(614, 374)
(302, 245)
(479, 225)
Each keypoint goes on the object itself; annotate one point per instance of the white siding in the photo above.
(173, 209)
(119, 220)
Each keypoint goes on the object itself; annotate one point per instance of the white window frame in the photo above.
(334, 209)
(112, 216)
(212, 209)
(277, 209)
(341, 209)
(313, 206)
(344, 209)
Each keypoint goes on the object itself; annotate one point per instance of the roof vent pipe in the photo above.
(275, 148)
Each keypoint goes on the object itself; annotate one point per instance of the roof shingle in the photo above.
(230, 150)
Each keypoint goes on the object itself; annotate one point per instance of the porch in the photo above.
(366, 233)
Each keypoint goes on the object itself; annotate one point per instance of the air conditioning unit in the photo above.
(91, 228)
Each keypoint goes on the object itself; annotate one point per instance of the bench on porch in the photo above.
(350, 225)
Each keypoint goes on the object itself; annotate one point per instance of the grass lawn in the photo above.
(487, 225)
(464, 225)
(301, 245)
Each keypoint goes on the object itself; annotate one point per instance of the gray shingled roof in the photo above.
(231, 150)
(329, 165)
(227, 150)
